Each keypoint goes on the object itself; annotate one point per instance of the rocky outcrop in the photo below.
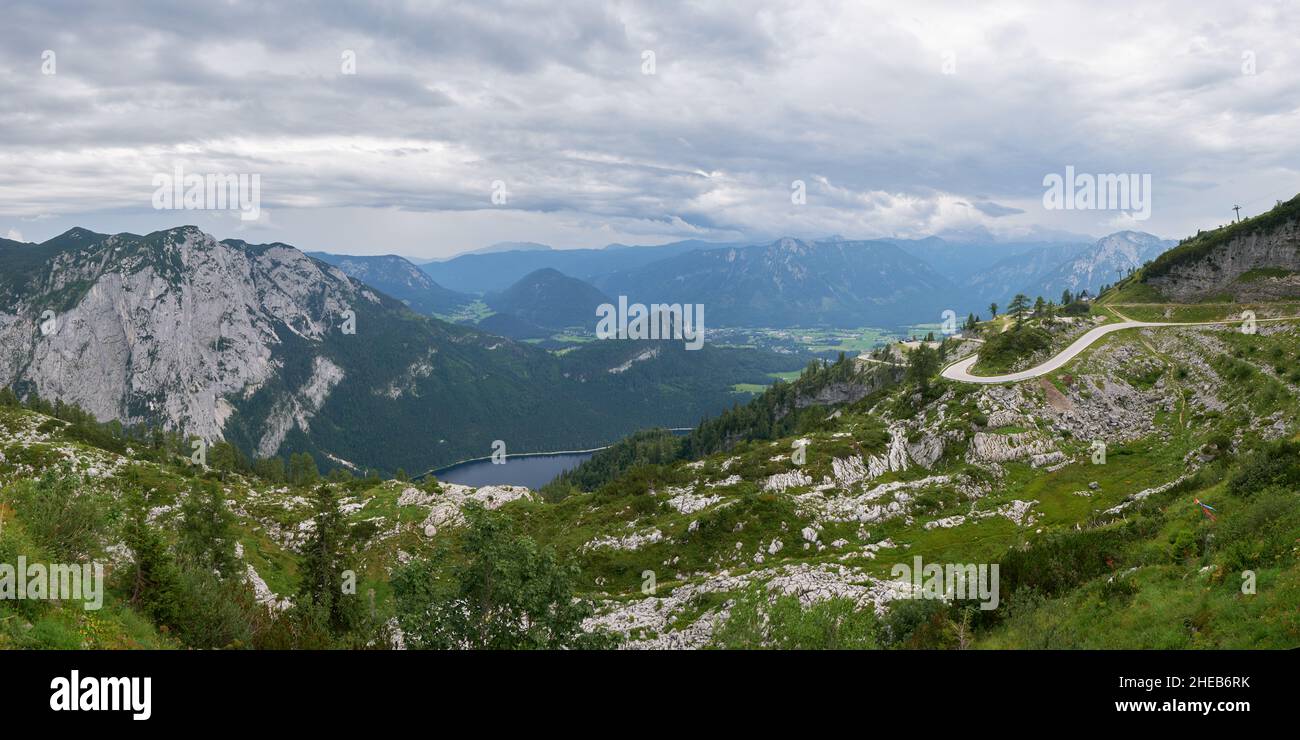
(1001, 448)
(446, 503)
(1273, 255)
(169, 328)
(810, 584)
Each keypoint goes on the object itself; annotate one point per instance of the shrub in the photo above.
(785, 624)
(1276, 464)
(66, 522)
(1002, 351)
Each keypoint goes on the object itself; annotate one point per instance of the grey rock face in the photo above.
(1219, 272)
(170, 327)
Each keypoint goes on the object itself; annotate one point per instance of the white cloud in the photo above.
(848, 96)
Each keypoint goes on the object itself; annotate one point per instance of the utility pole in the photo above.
(1238, 210)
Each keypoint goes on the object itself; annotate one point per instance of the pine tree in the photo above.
(321, 593)
(153, 578)
(207, 536)
(1018, 306)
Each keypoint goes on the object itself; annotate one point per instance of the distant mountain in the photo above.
(1105, 263)
(496, 248)
(1256, 259)
(1021, 273)
(791, 282)
(549, 298)
(486, 273)
(511, 247)
(251, 343)
(1050, 269)
(960, 260)
(400, 279)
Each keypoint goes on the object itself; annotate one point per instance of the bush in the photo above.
(785, 624)
(1003, 351)
(919, 624)
(1262, 534)
(1276, 464)
(64, 522)
(503, 592)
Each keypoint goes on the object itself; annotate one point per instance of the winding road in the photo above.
(960, 370)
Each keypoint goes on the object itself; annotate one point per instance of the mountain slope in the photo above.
(248, 342)
(1022, 273)
(548, 298)
(750, 545)
(1050, 269)
(1105, 263)
(1255, 259)
(959, 260)
(791, 282)
(496, 271)
(400, 279)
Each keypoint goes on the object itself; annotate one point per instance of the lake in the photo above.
(533, 471)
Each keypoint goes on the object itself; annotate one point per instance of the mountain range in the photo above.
(837, 282)
(400, 279)
(792, 282)
(279, 352)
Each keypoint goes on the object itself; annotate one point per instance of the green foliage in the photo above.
(303, 470)
(1018, 306)
(1062, 560)
(919, 624)
(922, 365)
(504, 592)
(1001, 351)
(323, 591)
(63, 520)
(270, 469)
(153, 579)
(649, 447)
(1261, 534)
(226, 458)
(181, 593)
(1275, 464)
(760, 622)
(207, 536)
(785, 408)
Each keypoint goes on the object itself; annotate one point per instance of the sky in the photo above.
(426, 129)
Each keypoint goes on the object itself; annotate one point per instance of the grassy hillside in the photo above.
(786, 536)
(1196, 248)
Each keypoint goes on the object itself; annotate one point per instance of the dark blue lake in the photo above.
(532, 471)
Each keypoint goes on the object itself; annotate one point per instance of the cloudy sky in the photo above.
(642, 122)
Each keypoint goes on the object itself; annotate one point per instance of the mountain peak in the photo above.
(74, 237)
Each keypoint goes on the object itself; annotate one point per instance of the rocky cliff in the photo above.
(1257, 259)
(166, 327)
